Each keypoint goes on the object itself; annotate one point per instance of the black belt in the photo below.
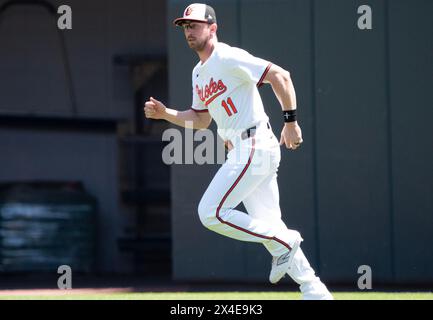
(251, 132)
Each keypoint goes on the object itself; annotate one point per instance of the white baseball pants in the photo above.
(250, 176)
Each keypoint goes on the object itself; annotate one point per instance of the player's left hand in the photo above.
(291, 135)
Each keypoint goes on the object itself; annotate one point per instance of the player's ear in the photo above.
(213, 28)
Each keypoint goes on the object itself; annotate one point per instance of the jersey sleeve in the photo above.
(248, 67)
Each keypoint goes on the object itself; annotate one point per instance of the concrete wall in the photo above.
(33, 84)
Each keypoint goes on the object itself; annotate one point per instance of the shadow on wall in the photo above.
(22, 59)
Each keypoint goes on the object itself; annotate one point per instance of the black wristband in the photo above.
(289, 115)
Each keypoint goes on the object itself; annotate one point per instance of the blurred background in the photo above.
(82, 180)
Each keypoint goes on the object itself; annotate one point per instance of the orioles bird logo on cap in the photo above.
(188, 11)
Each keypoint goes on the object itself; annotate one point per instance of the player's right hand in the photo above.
(154, 109)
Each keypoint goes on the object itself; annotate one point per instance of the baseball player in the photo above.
(224, 88)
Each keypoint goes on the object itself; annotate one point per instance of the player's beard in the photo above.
(198, 45)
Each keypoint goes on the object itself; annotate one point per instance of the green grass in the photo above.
(223, 296)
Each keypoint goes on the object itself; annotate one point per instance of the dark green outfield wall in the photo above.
(361, 187)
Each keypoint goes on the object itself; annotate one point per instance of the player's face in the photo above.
(197, 34)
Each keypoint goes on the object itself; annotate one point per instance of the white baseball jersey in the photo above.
(226, 85)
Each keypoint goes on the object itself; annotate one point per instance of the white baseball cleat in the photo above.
(315, 290)
(281, 264)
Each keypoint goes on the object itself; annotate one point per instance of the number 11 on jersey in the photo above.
(227, 108)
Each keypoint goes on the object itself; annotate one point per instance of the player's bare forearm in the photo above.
(281, 82)
(155, 109)
(185, 118)
(282, 86)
